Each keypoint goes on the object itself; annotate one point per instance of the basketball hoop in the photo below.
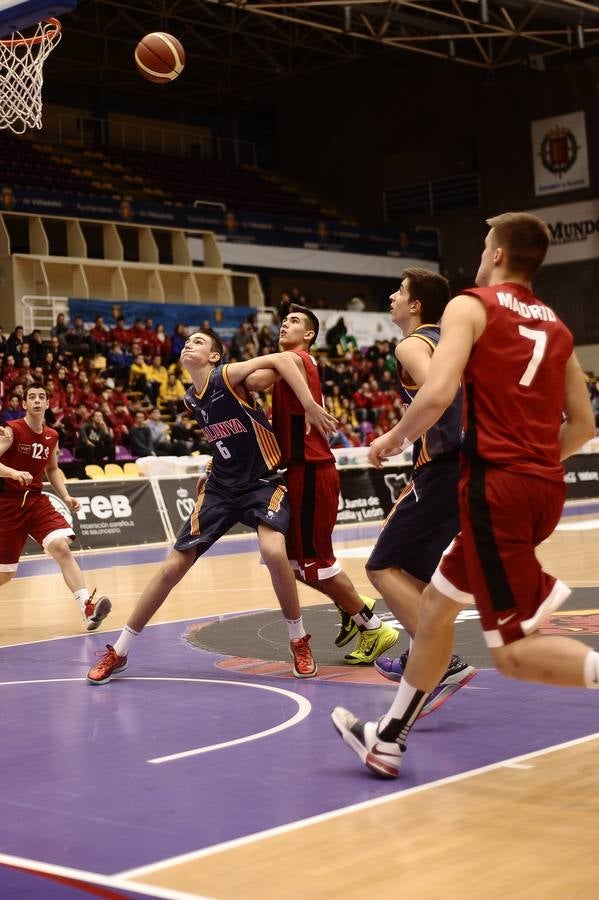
(21, 76)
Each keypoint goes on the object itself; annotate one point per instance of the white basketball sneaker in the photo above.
(382, 757)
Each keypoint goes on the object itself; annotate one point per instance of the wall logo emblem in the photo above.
(396, 484)
(559, 150)
(185, 504)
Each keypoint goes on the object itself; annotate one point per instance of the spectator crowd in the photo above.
(116, 392)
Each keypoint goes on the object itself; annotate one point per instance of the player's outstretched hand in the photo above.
(22, 478)
(72, 503)
(321, 420)
(4, 431)
(382, 448)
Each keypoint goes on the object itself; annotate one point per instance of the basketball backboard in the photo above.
(18, 14)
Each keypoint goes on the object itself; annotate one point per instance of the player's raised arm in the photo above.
(262, 380)
(290, 367)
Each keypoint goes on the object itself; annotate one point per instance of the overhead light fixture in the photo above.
(580, 37)
(451, 48)
(484, 11)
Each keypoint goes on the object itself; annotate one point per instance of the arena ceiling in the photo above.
(245, 43)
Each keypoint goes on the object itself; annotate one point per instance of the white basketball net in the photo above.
(21, 76)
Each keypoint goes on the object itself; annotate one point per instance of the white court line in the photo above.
(217, 617)
(337, 813)
(583, 525)
(111, 881)
(303, 710)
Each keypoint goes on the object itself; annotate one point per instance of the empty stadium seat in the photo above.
(113, 470)
(94, 472)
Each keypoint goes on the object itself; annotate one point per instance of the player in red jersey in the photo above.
(28, 449)
(526, 408)
(313, 489)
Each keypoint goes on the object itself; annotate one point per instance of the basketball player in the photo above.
(313, 486)
(526, 407)
(28, 448)
(243, 486)
(425, 518)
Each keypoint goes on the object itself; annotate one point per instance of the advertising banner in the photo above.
(559, 152)
(225, 320)
(582, 476)
(367, 495)
(231, 227)
(574, 229)
(112, 514)
(179, 495)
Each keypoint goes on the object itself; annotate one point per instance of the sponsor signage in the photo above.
(230, 227)
(582, 476)
(574, 229)
(225, 320)
(560, 157)
(112, 514)
(179, 495)
(368, 495)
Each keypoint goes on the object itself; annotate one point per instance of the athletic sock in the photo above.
(366, 620)
(81, 597)
(124, 641)
(405, 709)
(590, 672)
(296, 629)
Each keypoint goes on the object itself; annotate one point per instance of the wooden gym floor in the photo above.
(500, 797)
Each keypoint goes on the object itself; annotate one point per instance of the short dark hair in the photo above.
(36, 386)
(430, 289)
(217, 344)
(524, 238)
(310, 316)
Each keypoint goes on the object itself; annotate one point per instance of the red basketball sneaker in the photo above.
(95, 613)
(108, 665)
(303, 661)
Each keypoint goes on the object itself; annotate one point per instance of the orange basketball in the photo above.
(160, 57)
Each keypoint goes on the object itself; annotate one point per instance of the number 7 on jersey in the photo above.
(539, 339)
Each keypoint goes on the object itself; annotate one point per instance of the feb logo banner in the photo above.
(560, 156)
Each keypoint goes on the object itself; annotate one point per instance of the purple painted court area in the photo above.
(78, 790)
(22, 883)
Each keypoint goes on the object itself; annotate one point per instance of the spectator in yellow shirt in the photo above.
(170, 397)
(157, 377)
(138, 375)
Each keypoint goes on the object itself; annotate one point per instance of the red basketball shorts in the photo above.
(24, 514)
(313, 490)
(504, 517)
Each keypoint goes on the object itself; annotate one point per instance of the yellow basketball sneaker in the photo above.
(371, 644)
(347, 627)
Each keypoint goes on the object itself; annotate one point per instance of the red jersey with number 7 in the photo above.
(29, 452)
(513, 384)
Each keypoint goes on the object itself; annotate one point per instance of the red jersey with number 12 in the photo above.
(513, 384)
(289, 423)
(29, 452)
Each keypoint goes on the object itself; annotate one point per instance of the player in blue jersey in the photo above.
(425, 518)
(243, 486)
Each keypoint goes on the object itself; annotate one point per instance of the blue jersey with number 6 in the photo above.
(244, 448)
